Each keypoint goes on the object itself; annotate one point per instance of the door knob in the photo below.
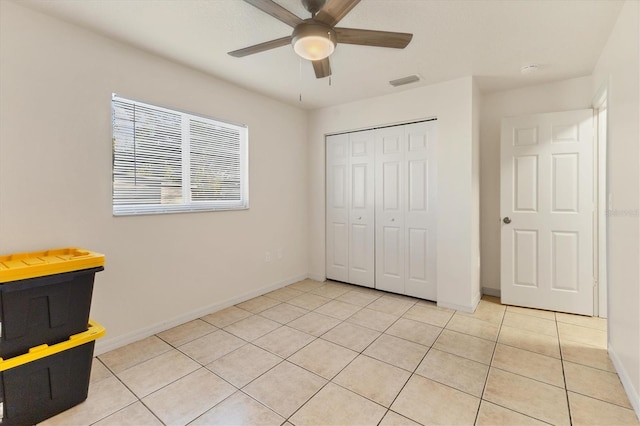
(507, 220)
(359, 217)
(393, 220)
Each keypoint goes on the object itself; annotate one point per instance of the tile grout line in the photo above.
(415, 369)
(602, 400)
(173, 347)
(517, 374)
(358, 353)
(493, 353)
(204, 366)
(286, 360)
(527, 377)
(475, 335)
(349, 363)
(201, 366)
(562, 361)
(564, 375)
(138, 399)
(177, 348)
(240, 389)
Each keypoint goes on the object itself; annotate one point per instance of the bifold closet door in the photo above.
(350, 208)
(405, 227)
(390, 193)
(337, 226)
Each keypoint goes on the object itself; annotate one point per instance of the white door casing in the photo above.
(547, 194)
(350, 208)
(406, 209)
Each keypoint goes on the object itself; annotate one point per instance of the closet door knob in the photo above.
(507, 220)
(393, 219)
(359, 217)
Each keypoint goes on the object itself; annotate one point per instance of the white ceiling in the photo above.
(489, 39)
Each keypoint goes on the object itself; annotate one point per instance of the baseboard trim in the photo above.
(495, 292)
(106, 344)
(317, 277)
(632, 393)
(469, 309)
(476, 300)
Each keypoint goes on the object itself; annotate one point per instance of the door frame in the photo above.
(599, 104)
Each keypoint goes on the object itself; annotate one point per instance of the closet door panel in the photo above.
(391, 189)
(420, 235)
(337, 199)
(417, 255)
(390, 201)
(392, 259)
(339, 256)
(417, 186)
(361, 209)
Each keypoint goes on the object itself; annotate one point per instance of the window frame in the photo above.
(188, 205)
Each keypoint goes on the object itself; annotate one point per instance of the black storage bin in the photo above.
(45, 297)
(44, 310)
(48, 380)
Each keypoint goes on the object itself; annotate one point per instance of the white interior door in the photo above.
(361, 209)
(337, 220)
(547, 209)
(390, 209)
(420, 218)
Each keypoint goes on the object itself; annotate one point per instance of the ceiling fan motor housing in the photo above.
(313, 6)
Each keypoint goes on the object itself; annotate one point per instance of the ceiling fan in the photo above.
(316, 38)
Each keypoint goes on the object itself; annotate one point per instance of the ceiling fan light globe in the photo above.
(313, 41)
(314, 48)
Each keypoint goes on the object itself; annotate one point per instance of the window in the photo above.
(168, 161)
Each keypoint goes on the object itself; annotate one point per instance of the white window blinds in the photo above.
(168, 161)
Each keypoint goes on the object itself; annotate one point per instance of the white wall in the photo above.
(618, 67)
(56, 82)
(451, 103)
(559, 96)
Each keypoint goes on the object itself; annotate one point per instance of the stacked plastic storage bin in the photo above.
(47, 338)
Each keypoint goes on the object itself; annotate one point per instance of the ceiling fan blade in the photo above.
(257, 48)
(322, 68)
(274, 9)
(373, 38)
(334, 10)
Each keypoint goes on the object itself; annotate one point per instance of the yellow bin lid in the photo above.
(95, 331)
(21, 266)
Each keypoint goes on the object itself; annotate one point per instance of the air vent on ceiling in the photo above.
(405, 80)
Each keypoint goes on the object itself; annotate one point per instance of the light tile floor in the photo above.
(329, 353)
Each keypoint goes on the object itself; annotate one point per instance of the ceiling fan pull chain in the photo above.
(300, 78)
